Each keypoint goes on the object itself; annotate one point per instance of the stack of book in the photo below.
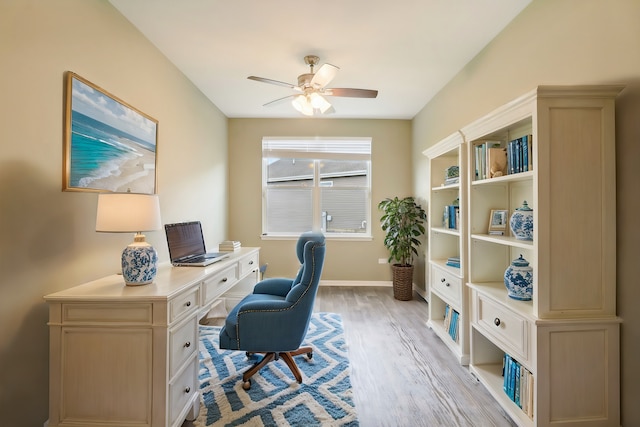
(518, 384)
(453, 261)
(229, 246)
(451, 321)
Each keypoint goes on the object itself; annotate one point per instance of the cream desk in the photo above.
(128, 356)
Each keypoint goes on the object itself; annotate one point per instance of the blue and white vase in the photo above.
(518, 279)
(521, 222)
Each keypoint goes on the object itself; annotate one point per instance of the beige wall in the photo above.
(563, 42)
(47, 237)
(391, 176)
(48, 240)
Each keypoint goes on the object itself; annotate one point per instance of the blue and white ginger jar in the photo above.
(521, 222)
(139, 264)
(519, 279)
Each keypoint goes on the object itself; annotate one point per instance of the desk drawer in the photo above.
(183, 304)
(182, 389)
(218, 284)
(183, 342)
(112, 313)
(506, 326)
(248, 264)
(447, 285)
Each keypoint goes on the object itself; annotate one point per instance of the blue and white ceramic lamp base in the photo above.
(139, 263)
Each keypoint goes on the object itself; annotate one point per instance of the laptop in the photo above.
(186, 245)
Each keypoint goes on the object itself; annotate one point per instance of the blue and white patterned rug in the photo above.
(275, 399)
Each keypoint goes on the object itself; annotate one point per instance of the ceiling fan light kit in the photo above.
(310, 104)
(311, 89)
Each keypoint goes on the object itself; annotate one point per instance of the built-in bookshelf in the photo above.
(446, 269)
(563, 345)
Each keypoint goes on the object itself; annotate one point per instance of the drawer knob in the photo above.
(447, 284)
(250, 262)
(188, 304)
(187, 344)
(443, 280)
(496, 321)
(224, 280)
(187, 390)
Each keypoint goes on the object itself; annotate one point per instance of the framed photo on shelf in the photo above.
(498, 220)
(108, 144)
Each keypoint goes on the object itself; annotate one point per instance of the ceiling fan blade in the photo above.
(352, 93)
(279, 100)
(324, 75)
(273, 82)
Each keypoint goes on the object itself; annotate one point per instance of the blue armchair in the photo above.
(274, 319)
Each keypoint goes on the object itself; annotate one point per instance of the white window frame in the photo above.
(317, 148)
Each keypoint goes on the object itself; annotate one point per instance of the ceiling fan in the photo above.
(312, 89)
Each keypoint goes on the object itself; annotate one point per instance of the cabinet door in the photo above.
(582, 365)
(104, 370)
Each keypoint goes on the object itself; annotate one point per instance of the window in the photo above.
(316, 184)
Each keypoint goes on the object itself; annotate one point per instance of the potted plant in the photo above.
(403, 222)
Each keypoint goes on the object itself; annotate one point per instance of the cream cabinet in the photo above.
(565, 341)
(446, 259)
(128, 356)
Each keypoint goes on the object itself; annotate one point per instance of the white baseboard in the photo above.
(385, 283)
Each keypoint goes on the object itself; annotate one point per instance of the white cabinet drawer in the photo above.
(182, 390)
(183, 341)
(503, 324)
(447, 286)
(218, 284)
(248, 264)
(183, 304)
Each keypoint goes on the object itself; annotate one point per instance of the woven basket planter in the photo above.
(402, 282)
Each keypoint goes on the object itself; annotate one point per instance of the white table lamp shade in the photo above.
(128, 212)
(132, 213)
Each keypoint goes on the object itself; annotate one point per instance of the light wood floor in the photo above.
(401, 373)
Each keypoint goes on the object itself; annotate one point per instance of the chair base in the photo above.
(287, 356)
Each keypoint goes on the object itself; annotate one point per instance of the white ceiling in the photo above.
(406, 49)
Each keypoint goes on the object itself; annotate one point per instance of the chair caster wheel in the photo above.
(246, 385)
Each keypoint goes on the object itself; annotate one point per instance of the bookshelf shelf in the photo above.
(572, 254)
(443, 230)
(491, 375)
(504, 240)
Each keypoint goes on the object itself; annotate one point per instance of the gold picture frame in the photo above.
(109, 146)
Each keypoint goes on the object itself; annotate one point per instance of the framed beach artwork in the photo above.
(108, 144)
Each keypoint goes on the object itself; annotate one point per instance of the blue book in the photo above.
(452, 216)
(511, 158)
(516, 389)
(525, 153)
(512, 380)
(518, 155)
(506, 368)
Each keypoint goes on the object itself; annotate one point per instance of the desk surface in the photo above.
(168, 281)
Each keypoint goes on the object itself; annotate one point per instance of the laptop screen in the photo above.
(185, 239)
